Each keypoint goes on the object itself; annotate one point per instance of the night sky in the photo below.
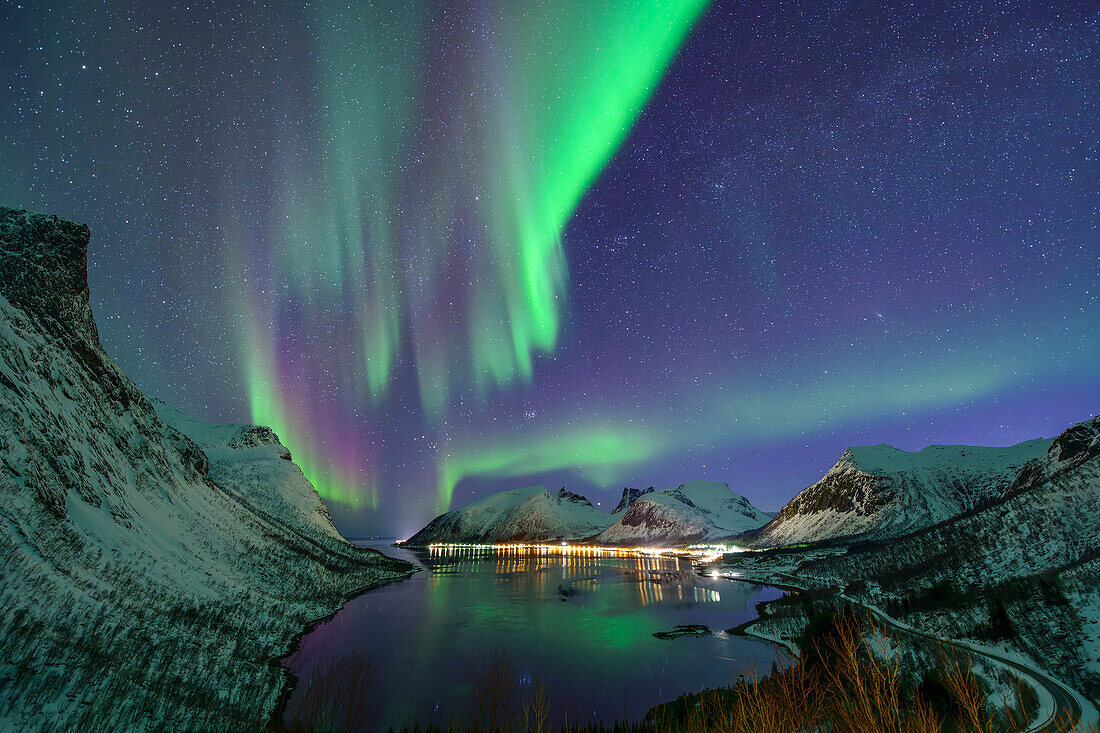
(449, 248)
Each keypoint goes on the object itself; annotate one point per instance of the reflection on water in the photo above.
(656, 578)
(582, 620)
(608, 583)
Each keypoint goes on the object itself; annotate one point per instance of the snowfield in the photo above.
(153, 567)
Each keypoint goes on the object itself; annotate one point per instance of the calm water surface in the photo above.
(584, 623)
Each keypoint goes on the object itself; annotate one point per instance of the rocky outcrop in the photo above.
(629, 497)
(1077, 445)
(44, 272)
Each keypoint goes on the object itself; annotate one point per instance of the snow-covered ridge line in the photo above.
(880, 491)
(151, 566)
(692, 512)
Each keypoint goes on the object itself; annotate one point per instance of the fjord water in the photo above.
(581, 621)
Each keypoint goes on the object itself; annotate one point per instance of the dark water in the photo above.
(583, 623)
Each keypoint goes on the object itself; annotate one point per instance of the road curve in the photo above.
(1067, 707)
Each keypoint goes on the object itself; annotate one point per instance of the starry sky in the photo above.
(447, 248)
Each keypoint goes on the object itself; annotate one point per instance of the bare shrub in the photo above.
(847, 679)
(342, 694)
(536, 708)
(493, 695)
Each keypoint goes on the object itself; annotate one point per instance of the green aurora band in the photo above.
(268, 408)
(735, 409)
(601, 451)
(364, 242)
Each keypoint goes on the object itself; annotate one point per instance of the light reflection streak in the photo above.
(651, 567)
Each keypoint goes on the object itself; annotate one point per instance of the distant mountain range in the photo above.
(697, 511)
(692, 512)
(532, 514)
(872, 492)
(137, 545)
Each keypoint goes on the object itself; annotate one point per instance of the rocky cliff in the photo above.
(629, 497)
(151, 566)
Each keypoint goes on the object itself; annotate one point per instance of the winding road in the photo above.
(1067, 711)
(1067, 708)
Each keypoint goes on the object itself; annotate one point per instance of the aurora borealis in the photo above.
(448, 248)
(433, 234)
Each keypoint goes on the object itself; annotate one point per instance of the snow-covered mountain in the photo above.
(692, 512)
(531, 514)
(249, 462)
(881, 491)
(1037, 549)
(151, 566)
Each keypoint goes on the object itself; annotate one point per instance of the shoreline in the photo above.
(275, 719)
(746, 629)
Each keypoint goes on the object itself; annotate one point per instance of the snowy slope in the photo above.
(1046, 527)
(250, 463)
(520, 515)
(881, 491)
(150, 569)
(692, 512)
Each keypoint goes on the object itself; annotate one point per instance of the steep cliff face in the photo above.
(531, 514)
(693, 512)
(151, 565)
(44, 272)
(880, 491)
(629, 497)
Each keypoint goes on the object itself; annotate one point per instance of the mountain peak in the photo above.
(880, 490)
(564, 495)
(1073, 446)
(44, 271)
(691, 512)
(629, 497)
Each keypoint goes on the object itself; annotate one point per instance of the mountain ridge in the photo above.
(1035, 551)
(881, 491)
(692, 511)
(528, 514)
(696, 511)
